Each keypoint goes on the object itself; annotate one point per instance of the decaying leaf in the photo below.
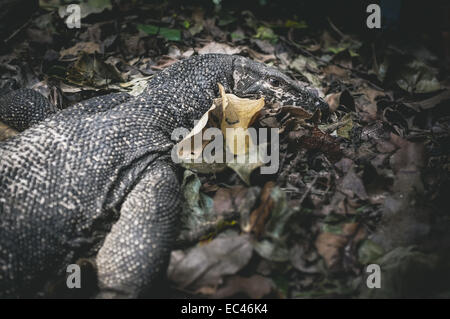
(331, 245)
(366, 104)
(254, 287)
(344, 131)
(229, 200)
(206, 265)
(405, 219)
(260, 215)
(274, 246)
(90, 70)
(86, 47)
(315, 139)
(214, 47)
(198, 214)
(351, 185)
(417, 77)
(303, 261)
(308, 67)
(341, 98)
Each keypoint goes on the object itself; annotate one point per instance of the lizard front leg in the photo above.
(138, 247)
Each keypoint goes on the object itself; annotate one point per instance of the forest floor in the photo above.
(367, 185)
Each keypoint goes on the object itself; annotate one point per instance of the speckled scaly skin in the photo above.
(95, 180)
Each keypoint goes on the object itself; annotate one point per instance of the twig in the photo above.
(342, 35)
(16, 32)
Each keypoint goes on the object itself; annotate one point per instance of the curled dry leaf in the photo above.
(238, 113)
(232, 112)
(229, 111)
(187, 149)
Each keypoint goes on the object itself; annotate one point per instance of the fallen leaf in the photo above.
(431, 102)
(87, 47)
(299, 260)
(261, 214)
(191, 146)
(369, 252)
(274, 247)
(366, 103)
(254, 287)
(417, 77)
(247, 163)
(352, 185)
(167, 33)
(238, 114)
(344, 131)
(92, 71)
(341, 98)
(215, 47)
(206, 265)
(330, 247)
(336, 71)
(228, 200)
(6, 132)
(87, 8)
(315, 139)
(265, 33)
(197, 209)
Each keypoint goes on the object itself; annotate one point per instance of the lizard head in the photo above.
(257, 79)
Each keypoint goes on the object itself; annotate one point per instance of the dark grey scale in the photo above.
(24, 107)
(95, 180)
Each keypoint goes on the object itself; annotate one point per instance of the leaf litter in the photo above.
(367, 184)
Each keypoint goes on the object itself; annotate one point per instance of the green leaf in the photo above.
(148, 28)
(336, 50)
(265, 33)
(167, 33)
(170, 34)
(237, 36)
(226, 21)
(368, 252)
(296, 24)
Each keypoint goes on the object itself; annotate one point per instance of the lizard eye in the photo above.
(274, 82)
